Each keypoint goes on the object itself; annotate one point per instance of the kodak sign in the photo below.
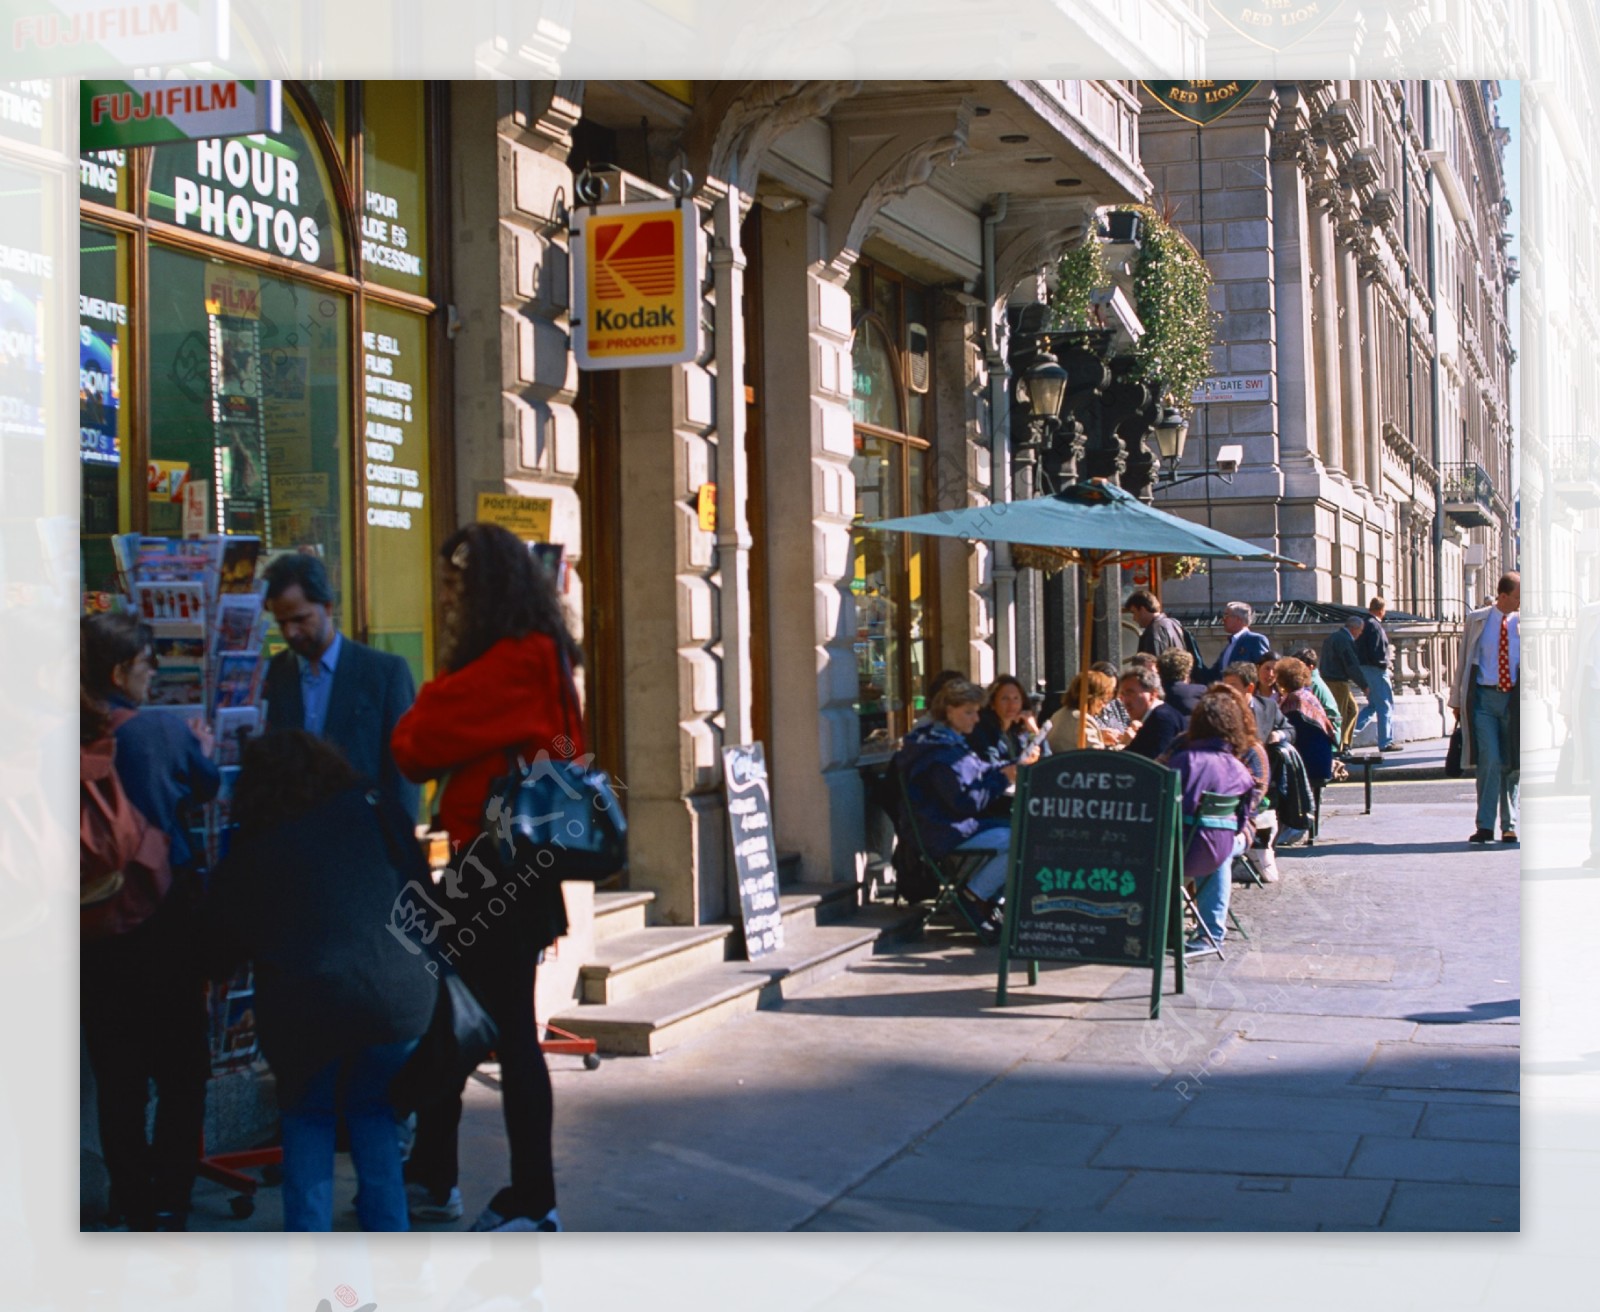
(636, 285)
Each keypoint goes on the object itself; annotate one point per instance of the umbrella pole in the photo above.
(1090, 583)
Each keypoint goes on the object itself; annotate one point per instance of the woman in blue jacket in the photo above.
(952, 790)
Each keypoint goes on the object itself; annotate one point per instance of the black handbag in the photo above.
(1452, 756)
(559, 815)
(459, 1037)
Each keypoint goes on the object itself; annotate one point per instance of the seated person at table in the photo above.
(1159, 724)
(949, 788)
(1100, 688)
(1270, 724)
(1112, 715)
(1320, 690)
(1006, 726)
(1176, 666)
(1210, 759)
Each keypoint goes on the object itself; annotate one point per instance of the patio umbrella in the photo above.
(1093, 525)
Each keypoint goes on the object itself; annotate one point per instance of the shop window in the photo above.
(103, 178)
(393, 204)
(103, 420)
(891, 582)
(271, 195)
(249, 401)
(394, 444)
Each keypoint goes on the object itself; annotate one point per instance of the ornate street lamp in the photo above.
(1172, 431)
(1041, 388)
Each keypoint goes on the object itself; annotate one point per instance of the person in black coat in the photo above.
(307, 894)
(333, 686)
(1175, 667)
(1006, 726)
(1158, 723)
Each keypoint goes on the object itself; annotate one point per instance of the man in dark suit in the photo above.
(330, 685)
(1157, 632)
(1243, 644)
(1159, 724)
(1176, 667)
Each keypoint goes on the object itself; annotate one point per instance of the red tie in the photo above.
(1505, 652)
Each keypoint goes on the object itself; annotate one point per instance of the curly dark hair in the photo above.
(1004, 681)
(1222, 713)
(285, 774)
(94, 722)
(505, 593)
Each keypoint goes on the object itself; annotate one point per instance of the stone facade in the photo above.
(1349, 271)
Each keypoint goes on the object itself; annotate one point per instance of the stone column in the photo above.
(672, 703)
(1352, 412)
(1325, 338)
(1372, 433)
(809, 435)
(1291, 277)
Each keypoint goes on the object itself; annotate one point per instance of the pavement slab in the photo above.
(1353, 1066)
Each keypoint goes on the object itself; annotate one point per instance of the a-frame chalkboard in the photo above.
(1095, 864)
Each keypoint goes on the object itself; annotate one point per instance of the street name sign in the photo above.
(755, 853)
(1094, 859)
(636, 284)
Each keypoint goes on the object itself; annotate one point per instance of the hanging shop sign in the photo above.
(1275, 24)
(114, 114)
(73, 37)
(527, 517)
(636, 284)
(755, 852)
(1199, 102)
(1094, 860)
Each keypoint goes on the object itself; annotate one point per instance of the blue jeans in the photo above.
(1498, 785)
(1380, 702)
(308, 1139)
(988, 881)
(1211, 894)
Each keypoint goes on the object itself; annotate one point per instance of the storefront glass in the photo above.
(104, 368)
(395, 458)
(272, 195)
(249, 397)
(394, 215)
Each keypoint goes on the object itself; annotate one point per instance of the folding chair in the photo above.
(1217, 811)
(950, 872)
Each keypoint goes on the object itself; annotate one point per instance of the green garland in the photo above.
(1171, 286)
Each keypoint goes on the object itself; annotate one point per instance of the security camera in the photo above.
(1229, 458)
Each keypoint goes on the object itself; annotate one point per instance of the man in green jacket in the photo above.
(1324, 694)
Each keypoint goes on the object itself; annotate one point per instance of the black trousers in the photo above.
(500, 970)
(144, 1018)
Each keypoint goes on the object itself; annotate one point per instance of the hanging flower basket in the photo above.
(1183, 567)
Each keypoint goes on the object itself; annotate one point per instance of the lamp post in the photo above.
(1041, 388)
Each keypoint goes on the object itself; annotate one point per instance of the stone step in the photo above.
(631, 963)
(676, 1012)
(620, 913)
(809, 905)
(788, 869)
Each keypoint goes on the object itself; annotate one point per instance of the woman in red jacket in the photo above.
(504, 691)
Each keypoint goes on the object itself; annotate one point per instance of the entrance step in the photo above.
(788, 869)
(620, 913)
(809, 905)
(633, 962)
(675, 1012)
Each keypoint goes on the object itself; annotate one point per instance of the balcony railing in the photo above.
(1468, 494)
(1575, 470)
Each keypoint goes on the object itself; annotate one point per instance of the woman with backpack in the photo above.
(505, 690)
(306, 895)
(143, 994)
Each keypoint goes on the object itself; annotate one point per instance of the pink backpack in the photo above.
(124, 869)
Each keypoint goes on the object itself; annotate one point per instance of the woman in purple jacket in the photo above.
(1210, 758)
(952, 791)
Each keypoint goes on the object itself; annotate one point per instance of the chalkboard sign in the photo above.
(1093, 856)
(755, 855)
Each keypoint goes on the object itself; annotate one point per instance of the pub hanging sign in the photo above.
(635, 284)
(1199, 102)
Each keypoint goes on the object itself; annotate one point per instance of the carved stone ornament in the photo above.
(735, 126)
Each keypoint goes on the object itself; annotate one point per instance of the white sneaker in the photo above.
(490, 1219)
(425, 1205)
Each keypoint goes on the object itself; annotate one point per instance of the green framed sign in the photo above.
(1095, 862)
(114, 115)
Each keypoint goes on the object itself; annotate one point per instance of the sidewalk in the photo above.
(1353, 1066)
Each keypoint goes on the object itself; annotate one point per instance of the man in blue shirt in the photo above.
(333, 686)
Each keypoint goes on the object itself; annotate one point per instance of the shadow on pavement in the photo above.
(1477, 1013)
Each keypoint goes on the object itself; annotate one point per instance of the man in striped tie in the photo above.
(1485, 700)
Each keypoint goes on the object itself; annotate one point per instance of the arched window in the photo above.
(262, 312)
(891, 583)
